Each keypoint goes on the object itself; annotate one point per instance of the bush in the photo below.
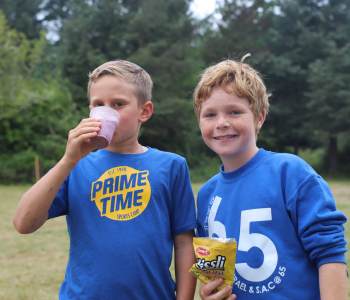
(208, 167)
(17, 167)
(315, 157)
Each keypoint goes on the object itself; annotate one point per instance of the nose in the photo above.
(222, 123)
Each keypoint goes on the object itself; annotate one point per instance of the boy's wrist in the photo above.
(67, 163)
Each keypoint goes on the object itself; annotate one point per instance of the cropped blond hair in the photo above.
(235, 78)
(128, 71)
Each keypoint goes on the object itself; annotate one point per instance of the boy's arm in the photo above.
(32, 210)
(333, 281)
(184, 259)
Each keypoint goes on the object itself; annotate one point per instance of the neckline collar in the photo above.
(252, 163)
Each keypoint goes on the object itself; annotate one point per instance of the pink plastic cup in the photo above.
(110, 120)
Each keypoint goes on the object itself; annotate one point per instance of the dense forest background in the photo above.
(48, 47)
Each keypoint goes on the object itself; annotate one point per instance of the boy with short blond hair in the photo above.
(281, 212)
(126, 205)
(130, 72)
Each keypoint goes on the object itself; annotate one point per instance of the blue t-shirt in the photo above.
(123, 211)
(284, 218)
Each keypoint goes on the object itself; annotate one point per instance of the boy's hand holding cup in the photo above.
(109, 118)
(90, 135)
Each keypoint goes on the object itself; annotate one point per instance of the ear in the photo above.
(260, 121)
(146, 111)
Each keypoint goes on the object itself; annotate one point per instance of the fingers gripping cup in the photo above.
(110, 120)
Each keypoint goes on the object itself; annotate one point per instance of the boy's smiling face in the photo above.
(115, 92)
(228, 127)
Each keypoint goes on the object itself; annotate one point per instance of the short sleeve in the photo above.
(183, 216)
(59, 206)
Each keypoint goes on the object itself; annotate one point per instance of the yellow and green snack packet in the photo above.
(216, 258)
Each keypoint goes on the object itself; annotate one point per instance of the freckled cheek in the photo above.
(206, 131)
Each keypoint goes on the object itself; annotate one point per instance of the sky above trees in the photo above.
(202, 8)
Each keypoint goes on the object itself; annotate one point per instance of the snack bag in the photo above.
(216, 258)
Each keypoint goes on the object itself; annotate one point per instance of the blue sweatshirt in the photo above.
(283, 216)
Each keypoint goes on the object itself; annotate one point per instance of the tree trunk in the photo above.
(296, 149)
(332, 154)
(37, 168)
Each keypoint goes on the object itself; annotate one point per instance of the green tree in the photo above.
(156, 34)
(329, 77)
(330, 100)
(35, 113)
(23, 16)
(162, 33)
(301, 36)
(244, 27)
(311, 35)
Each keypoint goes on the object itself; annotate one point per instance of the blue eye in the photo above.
(235, 112)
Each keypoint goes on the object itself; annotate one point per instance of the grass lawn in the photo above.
(32, 266)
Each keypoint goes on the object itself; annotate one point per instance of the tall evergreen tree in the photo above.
(23, 16)
(329, 76)
(156, 34)
(296, 41)
(243, 26)
(162, 33)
